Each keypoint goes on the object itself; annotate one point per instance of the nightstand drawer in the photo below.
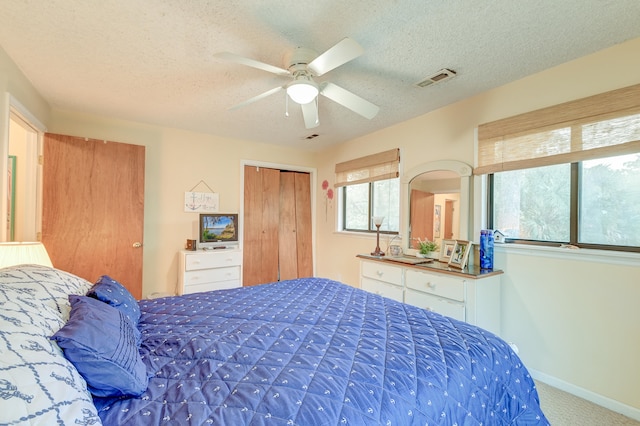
(383, 289)
(440, 305)
(207, 260)
(381, 272)
(439, 285)
(211, 275)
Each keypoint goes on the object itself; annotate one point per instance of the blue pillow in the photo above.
(110, 291)
(101, 343)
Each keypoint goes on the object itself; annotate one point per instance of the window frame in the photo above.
(574, 218)
(370, 202)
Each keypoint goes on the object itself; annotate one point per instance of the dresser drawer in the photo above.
(211, 275)
(219, 285)
(383, 289)
(440, 305)
(215, 259)
(439, 285)
(381, 272)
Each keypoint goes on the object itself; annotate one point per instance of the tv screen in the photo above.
(218, 228)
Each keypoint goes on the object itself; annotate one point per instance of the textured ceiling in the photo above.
(152, 61)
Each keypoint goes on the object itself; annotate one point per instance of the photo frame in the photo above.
(460, 254)
(446, 250)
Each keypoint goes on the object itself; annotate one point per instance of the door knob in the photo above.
(137, 244)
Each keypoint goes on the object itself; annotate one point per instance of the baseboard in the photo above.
(603, 401)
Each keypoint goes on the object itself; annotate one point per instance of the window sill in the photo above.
(579, 254)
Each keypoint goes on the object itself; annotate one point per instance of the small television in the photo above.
(218, 230)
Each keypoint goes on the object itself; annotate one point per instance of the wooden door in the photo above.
(261, 219)
(93, 208)
(421, 211)
(448, 219)
(295, 259)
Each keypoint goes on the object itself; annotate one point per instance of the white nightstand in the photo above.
(206, 270)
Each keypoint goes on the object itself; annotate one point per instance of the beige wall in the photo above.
(572, 315)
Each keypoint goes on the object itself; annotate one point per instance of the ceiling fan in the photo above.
(302, 65)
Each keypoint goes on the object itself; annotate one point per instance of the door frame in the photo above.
(12, 106)
(313, 173)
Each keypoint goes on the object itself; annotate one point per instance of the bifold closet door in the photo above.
(261, 218)
(295, 259)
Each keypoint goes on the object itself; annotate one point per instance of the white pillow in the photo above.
(37, 383)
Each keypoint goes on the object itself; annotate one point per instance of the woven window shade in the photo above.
(595, 127)
(380, 166)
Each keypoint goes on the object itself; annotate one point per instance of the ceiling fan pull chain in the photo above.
(286, 105)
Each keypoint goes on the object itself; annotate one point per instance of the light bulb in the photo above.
(302, 91)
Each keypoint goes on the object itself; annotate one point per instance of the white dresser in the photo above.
(469, 295)
(206, 270)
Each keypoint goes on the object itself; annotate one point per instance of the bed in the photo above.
(303, 352)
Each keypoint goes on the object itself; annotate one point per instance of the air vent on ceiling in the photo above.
(440, 76)
(315, 135)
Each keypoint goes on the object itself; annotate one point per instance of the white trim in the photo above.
(590, 396)
(576, 254)
(26, 114)
(314, 177)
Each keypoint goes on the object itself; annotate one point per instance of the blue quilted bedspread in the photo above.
(317, 352)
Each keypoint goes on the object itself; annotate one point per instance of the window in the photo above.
(361, 202)
(568, 174)
(369, 186)
(536, 204)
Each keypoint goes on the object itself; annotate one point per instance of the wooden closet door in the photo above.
(422, 204)
(295, 226)
(261, 218)
(93, 208)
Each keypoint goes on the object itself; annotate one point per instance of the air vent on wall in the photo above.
(440, 76)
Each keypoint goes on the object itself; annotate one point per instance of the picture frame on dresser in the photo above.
(446, 250)
(460, 254)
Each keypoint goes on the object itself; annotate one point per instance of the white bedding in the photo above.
(37, 383)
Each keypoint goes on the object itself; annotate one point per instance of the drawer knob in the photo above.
(379, 273)
(431, 285)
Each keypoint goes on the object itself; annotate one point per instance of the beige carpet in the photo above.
(564, 409)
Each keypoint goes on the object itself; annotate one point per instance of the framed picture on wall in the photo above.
(460, 254)
(446, 250)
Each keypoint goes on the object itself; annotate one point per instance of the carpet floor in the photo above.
(564, 409)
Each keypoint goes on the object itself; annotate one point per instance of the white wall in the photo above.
(574, 315)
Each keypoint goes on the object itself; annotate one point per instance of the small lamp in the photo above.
(377, 221)
(21, 253)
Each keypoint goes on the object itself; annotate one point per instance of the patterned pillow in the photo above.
(37, 383)
(101, 343)
(110, 291)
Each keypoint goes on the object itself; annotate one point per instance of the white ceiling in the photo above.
(152, 61)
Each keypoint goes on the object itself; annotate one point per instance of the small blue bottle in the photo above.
(486, 249)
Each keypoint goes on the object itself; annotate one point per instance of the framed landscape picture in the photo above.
(460, 254)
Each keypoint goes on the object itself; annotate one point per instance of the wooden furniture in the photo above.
(206, 270)
(469, 295)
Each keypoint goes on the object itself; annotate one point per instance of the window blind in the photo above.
(598, 126)
(374, 167)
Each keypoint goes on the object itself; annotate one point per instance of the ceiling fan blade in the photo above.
(310, 114)
(257, 98)
(341, 53)
(232, 57)
(347, 99)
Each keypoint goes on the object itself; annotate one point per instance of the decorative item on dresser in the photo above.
(471, 295)
(377, 221)
(205, 270)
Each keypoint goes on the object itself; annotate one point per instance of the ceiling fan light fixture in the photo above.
(302, 91)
